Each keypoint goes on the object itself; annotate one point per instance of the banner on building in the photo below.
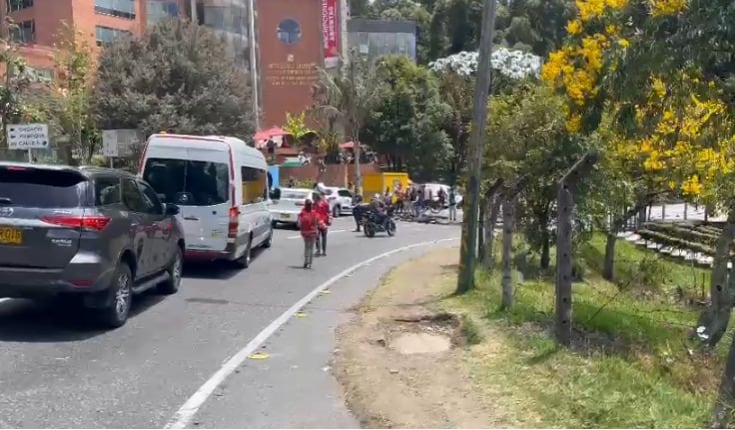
(330, 33)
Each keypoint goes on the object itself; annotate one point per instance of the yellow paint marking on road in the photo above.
(300, 315)
(258, 356)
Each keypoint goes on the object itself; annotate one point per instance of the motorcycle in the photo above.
(371, 225)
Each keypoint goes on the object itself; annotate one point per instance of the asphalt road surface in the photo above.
(179, 361)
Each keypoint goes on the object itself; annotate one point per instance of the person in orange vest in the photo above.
(325, 217)
(309, 223)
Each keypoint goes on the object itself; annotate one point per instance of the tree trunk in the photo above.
(545, 240)
(713, 321)
(608, 270)
(490, 221)
(507, 281)
(481, 232)
(726, 395)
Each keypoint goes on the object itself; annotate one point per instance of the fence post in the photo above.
(507, 282)
(567, 187)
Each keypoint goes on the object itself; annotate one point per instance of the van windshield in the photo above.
(188, 183)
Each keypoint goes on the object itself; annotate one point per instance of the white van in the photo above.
(221, 186)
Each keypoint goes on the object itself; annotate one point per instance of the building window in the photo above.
(107, 35)
(16, 5)
(158, 10)
(289, 31)
(119, 8)
(24, 32)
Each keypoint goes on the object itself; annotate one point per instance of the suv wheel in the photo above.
(116, 313)
(171, 285)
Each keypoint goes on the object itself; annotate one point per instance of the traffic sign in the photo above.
(27, 136)
(119, 143)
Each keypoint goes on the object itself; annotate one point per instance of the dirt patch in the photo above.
(401, 364)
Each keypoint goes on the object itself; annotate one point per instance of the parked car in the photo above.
(286, 209)
(97, 234)
(221, 186)
(340, 200)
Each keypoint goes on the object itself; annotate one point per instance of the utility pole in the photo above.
(252, 45)
(467, 256)
(194, 17)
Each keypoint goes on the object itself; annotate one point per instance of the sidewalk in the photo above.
(402, 365)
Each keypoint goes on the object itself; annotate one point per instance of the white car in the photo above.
(286, 209)
(340, 200)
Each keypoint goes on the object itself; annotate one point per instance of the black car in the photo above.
(100, 235)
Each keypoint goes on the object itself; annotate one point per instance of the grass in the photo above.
(630, 365)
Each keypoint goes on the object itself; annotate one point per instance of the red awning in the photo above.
(267, 134)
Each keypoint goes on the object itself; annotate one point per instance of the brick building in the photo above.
(102, 21)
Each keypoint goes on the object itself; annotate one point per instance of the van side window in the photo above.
(254, 185)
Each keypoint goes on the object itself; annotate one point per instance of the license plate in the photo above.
(10, 236)
(286, 216)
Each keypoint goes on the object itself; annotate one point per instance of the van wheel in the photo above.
(244, 261)
(171, 285)
(268, 242)
(115, 314)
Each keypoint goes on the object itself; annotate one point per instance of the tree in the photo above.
(19, 103)
(528, 139)
(71, 107)
(177, 77)
(405, 122)
(342, 103)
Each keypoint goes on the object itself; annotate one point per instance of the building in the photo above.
(103, 21)
(291, 51)
(374, 38)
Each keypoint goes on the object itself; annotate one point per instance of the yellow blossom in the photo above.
(623, 42)
(667, 7)
(574, 123)
(574, 27)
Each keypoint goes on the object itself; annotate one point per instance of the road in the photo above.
(56, 370)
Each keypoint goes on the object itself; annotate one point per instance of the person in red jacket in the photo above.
(325, 216)
(309, 223)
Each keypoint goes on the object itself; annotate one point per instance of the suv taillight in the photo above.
(95, 222)
(234, 223)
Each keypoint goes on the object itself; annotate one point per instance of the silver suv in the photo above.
(96, 234)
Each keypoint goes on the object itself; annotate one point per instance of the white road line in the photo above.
(298, 236)
(186, 413)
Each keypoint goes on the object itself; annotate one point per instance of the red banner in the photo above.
(330, 32)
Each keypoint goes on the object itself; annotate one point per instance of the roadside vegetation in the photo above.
(631, 363)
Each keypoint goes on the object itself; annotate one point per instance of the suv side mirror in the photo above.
(172, 209)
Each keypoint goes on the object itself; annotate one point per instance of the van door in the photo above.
(200, 185)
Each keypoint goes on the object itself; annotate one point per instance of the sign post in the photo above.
(118, 143)
(26, 137)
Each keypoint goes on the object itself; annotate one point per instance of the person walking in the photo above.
(325, 218)
(308, 222)
(452, 205)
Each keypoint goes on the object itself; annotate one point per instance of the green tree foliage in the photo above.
(177, 77)
(528, 139)
(405, 122)
(71, 97)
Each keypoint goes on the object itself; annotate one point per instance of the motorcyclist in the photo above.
(358, 210)
(378, 206)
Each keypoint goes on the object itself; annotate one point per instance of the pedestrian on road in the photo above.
(308, 222)
(452, 205)
(325, 217)
(358, 210)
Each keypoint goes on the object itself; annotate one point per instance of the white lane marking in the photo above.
(298, 236)
(186, 413)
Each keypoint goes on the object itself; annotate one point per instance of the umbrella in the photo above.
(271, 132)
(347, 145)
